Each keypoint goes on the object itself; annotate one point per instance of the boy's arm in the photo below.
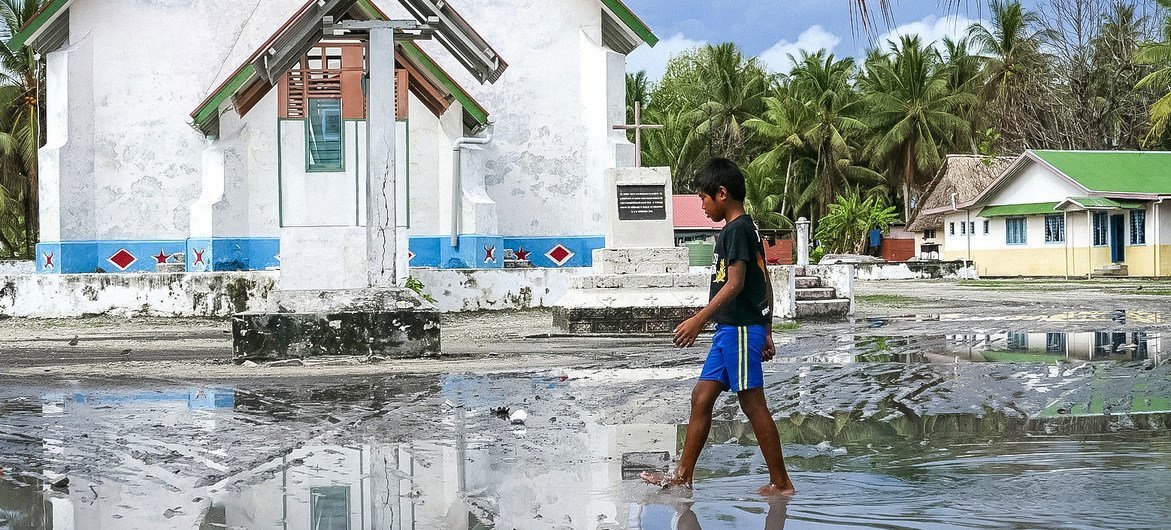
(770, 348)
(686, 332)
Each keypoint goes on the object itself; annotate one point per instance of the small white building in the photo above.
(170, 131)
(1066, 213)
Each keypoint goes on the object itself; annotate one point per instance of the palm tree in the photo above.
(21, 83)
(763, 197)
(781, 124)
(731, 89)
(1158, 54)
(824, 84)
(911, 113)
(1011, 47)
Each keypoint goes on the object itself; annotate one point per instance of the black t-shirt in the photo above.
(739, 241)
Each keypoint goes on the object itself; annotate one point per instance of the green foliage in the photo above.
(1158, 54)
(1089, 74)
(417, 286)
(850, 218)
(21, 82)
(816, 255)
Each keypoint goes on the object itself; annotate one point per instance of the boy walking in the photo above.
(742, 307)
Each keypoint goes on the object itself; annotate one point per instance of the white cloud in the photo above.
(931, 29)
(815, 38)
(654, 60)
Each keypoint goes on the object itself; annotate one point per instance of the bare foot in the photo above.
(665, 480)
(773, 490)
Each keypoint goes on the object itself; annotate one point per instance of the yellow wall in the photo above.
(1052, 261)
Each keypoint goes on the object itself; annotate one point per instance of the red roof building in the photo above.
(689, 215)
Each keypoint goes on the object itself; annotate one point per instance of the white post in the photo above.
(802, 241)
(380, 181)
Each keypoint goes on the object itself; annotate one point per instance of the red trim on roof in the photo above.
(688, 214)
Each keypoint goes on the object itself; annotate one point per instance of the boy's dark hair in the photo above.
(720, 172)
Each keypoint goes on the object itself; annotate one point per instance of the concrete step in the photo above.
(834, 308)
(808, 282)
(817, 293)
(1114, 269)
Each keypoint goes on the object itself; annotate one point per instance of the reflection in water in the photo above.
(424, 452)
(1013, 346)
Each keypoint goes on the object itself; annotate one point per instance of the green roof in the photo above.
(632, 21)
(1105, 202)
(34, 24)
(1114, 171)
(1013, 210)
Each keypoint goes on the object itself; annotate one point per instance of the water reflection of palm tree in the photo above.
(778, 511)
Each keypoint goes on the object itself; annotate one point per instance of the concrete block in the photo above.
(261, 337)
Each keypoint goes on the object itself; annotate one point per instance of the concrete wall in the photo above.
(914, 270)
(457, 290)
(75, 295)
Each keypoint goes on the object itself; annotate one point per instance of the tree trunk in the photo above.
(785, 194)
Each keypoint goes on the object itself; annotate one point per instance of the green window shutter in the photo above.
(325, 135)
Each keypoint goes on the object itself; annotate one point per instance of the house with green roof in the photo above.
(222, 131)
(1066, 213)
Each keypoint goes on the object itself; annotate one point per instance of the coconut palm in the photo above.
(1158, 54)
(824, 84)
(21, 83)
(780, 126)
(731, 90)
(911, 113)
(1011, 50)
(763, 196)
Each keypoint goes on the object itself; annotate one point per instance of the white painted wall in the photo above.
(553, 111)
(430, 166)
(67, 158)
(1036, 183)
(129, 164)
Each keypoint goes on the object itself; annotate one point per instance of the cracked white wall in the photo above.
(553, 109)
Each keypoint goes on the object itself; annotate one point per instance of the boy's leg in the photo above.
(703, 398)
(753, 403)
(713, 380)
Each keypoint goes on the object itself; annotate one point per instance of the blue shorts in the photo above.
(734, 360)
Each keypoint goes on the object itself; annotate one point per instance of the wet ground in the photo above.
(941, 405)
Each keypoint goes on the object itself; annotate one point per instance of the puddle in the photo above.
(1012, 346)
(869, 445)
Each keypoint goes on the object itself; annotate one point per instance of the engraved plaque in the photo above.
(642, 203)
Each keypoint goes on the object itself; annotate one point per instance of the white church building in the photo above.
(168, 134)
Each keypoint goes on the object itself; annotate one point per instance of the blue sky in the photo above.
(770, 29)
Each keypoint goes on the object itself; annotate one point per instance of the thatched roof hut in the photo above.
(964, 175)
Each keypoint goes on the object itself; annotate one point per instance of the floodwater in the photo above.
(872, 444)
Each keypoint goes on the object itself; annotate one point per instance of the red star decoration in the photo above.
(523, 254)
(198, 255)
(489, 253)
(48, 260)
(162, 257)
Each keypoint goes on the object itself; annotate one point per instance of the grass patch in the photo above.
(786, 326)
(892, 299)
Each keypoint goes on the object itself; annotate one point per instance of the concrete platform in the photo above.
(390, 323)
(262, 337)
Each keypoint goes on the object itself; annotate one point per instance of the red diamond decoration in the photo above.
(559, 254)
(122, 259)
(410, 256)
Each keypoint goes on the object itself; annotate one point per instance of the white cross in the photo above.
(637, 127)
